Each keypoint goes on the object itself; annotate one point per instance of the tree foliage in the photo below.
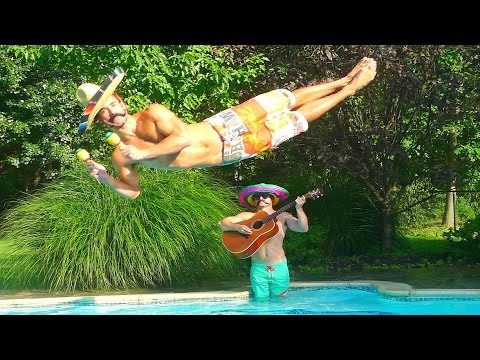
(391, 136)
(392, 133)
(39, 114)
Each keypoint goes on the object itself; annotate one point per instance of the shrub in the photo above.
(79, 234)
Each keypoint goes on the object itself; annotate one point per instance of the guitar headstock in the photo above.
(314, 194)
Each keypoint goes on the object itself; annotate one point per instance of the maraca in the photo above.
(112, 138)
(83, 155)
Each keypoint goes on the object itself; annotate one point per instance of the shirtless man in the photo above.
(157, 138)
(269, 274)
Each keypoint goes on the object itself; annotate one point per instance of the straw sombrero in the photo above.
(93, 97)
(247, 193)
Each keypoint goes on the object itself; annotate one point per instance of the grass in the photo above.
(3, 262)
(428, 240)
(420, 248)
(431, 231)
(77, 234)
(429, 246)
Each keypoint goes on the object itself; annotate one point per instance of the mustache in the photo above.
(113, 116)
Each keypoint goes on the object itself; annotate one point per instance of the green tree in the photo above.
(39, 114)
(36, 121)
(395, 132)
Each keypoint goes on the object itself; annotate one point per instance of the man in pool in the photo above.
(269, 274)
(157, 138)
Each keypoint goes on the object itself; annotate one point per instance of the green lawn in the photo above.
(428, 241)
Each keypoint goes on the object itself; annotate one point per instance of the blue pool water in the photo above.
(299, 301)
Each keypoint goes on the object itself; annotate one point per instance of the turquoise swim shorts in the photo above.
(269, 280)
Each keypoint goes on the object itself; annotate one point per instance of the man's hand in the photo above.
(131, 152)
(98, 171)
(300, 201)
(243, 229)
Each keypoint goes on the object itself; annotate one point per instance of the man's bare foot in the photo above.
(361, 64)
(364, 76)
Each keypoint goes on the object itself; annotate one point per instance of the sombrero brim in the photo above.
(98, 100)
(246, 195)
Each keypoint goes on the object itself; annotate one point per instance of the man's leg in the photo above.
(259, 280)
(316, 108)
(280, 279)
(309, 93)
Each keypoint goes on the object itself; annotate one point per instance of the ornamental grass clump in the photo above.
(78, 234)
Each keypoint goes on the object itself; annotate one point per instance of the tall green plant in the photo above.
(351, 221)
(76, 234)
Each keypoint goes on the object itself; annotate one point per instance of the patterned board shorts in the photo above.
(258, 124)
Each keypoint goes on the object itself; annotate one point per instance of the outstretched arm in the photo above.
(170, 127)
(127, 186)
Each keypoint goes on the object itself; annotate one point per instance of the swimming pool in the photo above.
(312, 298)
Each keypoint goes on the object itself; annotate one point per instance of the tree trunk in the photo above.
(449, 211)
(387, 230)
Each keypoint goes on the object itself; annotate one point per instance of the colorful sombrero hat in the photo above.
(93, 97)
(247, 193)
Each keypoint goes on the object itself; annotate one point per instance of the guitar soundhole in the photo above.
(257, 225)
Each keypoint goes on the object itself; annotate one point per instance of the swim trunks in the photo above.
(258, 124)
(269, 280)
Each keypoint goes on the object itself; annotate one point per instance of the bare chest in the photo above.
(146, 134)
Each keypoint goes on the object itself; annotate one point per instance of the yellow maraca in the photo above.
(112, 138)
(83, 155)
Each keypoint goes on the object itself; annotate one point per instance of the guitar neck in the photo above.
(310, 195)
(278, 212)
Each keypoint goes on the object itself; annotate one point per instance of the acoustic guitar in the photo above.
(263, 227)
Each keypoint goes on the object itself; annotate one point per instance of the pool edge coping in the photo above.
(386, 288)
(390, 288)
